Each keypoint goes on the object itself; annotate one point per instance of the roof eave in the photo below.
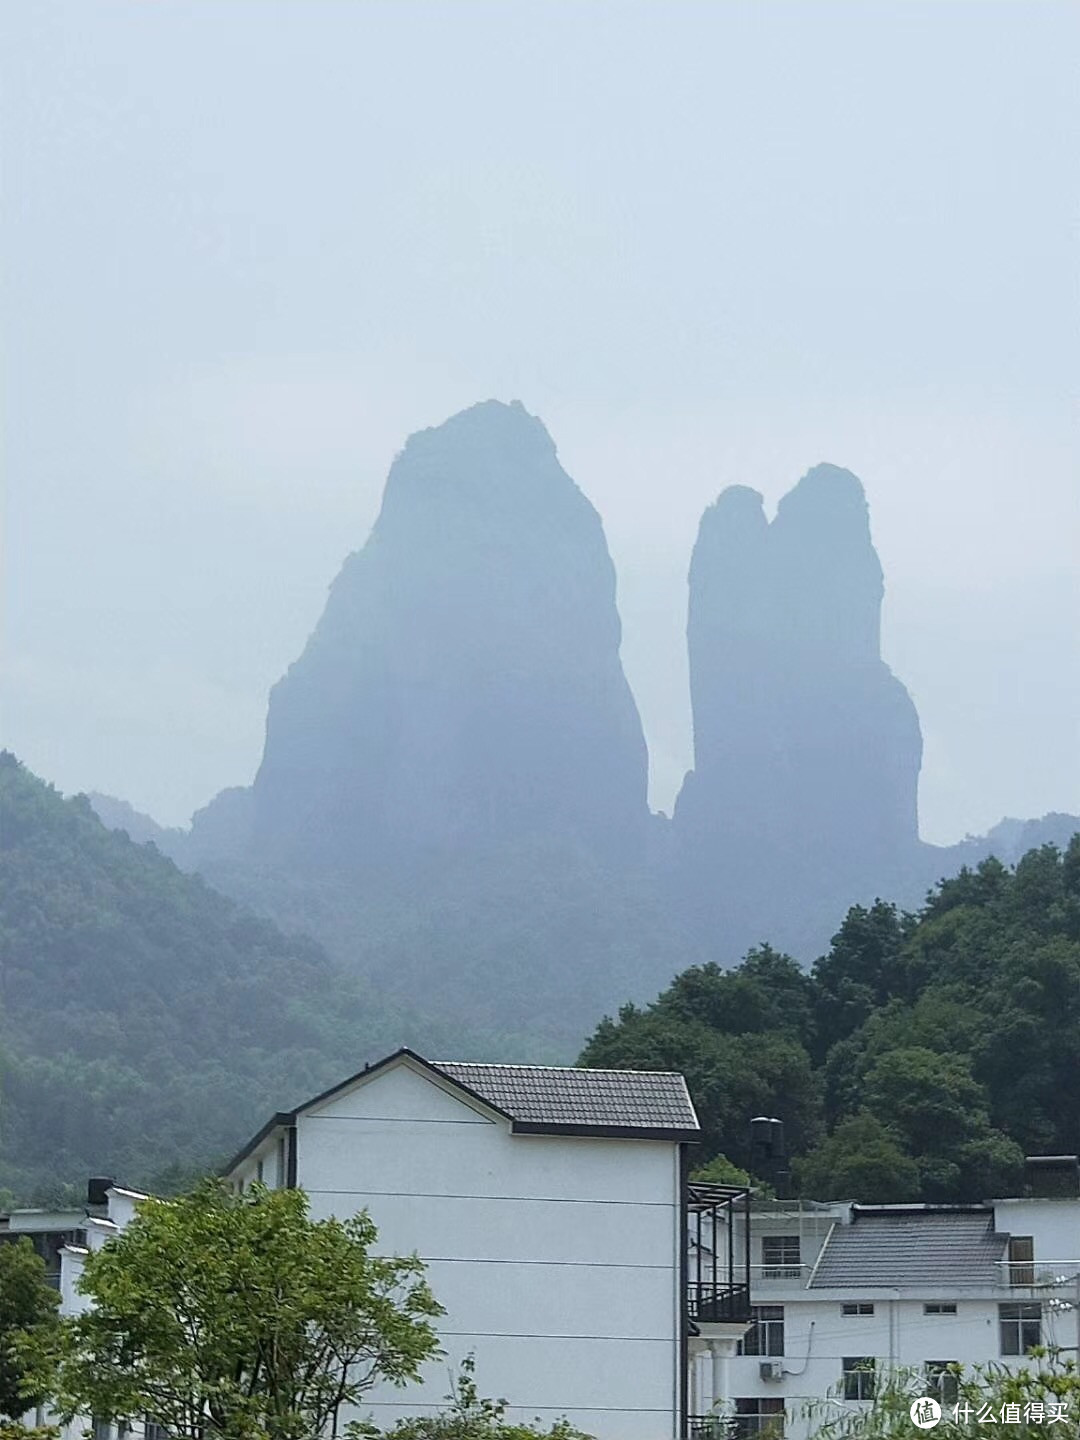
(606, 1132)
(283, 1119)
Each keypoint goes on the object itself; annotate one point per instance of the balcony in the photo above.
(718, 1279)
(1037, 1277)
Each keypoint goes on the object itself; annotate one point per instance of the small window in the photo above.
(100, 1429)
(780, 1258)
(153, 1431)
(282, 1173)
(766, 1333)
(1021, 1260)
(259, 1172)
(758, 1419)
(942, 1381)
(1021, 1328)
(860, 1307)
(858, 1377)
(939, 1307)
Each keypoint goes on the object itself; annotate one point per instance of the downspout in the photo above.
(684, 1290)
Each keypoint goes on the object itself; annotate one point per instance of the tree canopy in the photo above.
(240, 1315)
(28, 1306)
(922, 1057)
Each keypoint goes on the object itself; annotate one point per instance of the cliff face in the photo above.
(463, 686)
(807, 748)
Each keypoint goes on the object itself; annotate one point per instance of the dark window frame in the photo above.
(1019, 1327)
(859, 1377)
(942, 1382)
(765, 1337)
(756, 1415)
(780, 1265)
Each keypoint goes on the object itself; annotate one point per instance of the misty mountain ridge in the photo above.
(452, 793)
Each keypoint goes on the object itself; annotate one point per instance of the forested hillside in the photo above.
(148, 1024)
(921, 1058)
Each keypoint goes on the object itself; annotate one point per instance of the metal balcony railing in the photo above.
(1050, 1275)
(711, 1303)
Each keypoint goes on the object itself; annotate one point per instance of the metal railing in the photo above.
(1037, 1274)
(718, 1304)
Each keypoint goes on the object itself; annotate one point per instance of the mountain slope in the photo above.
(145, 1020)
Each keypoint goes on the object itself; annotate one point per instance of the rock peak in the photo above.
(463, 685)
(807, 748)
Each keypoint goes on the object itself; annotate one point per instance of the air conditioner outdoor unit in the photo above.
(771, 1369)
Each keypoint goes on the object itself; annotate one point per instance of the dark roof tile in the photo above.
(911, 1248)
(586, 1099)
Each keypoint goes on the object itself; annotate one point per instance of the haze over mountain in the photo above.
(806, 747)
(463, 686)
(452, 792)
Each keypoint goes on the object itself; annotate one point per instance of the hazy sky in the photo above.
(248, 247)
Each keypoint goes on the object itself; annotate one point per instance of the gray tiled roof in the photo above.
(911, 1247)
(586, 1099)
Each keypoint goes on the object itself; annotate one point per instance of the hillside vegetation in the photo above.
(147, 1023)
(920, 1059)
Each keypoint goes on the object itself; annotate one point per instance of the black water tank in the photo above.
(766, 1142)
(96, 1188)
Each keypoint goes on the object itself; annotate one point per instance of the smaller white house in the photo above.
(843, 1292)
(549, 1207)
(63, 1238)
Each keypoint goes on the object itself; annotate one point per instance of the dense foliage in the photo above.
(921, 1058)
(28, 1306)
(147, 1024)
(1031, 1401)
(240, 1316)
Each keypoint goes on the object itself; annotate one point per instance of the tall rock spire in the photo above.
(463, 686)
(807, 748)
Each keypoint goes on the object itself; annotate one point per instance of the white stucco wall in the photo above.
(556, 1257)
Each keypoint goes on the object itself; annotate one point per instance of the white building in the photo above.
(843, 1292)
(63, 1238)
(548, 1207)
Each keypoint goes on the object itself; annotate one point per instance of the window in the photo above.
(1021, 1260)
(861, 1307)
(259, 1172)
(780, 1258)
(766, 1333)
(757, 1418)
(858, 1377)
(282, 1171)
(939, 1307)
(1021, 1328)
(941, 1381)
(153, 1431)
(100, 1429)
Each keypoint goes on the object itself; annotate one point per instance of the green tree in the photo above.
(240, 1315)
(1047, 1387)
(720, 1171)
(938, 1108)
(864, 969)
(28, 1306)
(860, 1160)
